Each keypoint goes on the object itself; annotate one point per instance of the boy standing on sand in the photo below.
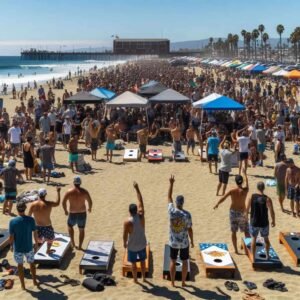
(190, 137)
(110, 142)
(142, 137)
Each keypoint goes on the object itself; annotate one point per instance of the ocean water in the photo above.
(19, 72)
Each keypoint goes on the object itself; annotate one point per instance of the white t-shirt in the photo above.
(243, 143)
(67, 127)
(15, 135)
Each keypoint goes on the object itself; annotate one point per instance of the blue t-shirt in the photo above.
(21, 228)
(213, 145)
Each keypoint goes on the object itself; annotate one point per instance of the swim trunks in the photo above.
(45, 233)
(78, 219)
(238, 221)
(110, 145)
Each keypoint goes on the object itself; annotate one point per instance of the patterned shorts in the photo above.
(19, 257)
(238, 221)
(264, 231)
(45, 233)
(293, 193)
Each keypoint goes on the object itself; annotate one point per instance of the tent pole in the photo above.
(147, 117)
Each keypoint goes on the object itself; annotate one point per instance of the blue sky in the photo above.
(49, 23)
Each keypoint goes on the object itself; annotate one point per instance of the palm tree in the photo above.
(229, 40)
(235, 42)
(265, 38)
(255, 35)
(211, 40)
(248, 41)
(261, 29)
(243, 33)
(280, 30)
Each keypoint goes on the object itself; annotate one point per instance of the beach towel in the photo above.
(28, 196)
(271, 182)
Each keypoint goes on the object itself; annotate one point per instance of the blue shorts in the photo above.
(47, 166)
(19, 257)
(135, 256)
(264, 231)
(73, 157)
(261, 148)
(10, 194)
(78, 219)
(110, 146)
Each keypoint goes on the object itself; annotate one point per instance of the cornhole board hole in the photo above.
(4, 238)
(59, 248)
(97, 256)
(291, 241)
(179, 156)
(166, 266)
(131, 155)
(127, 268)
(155, 155)
(235, 160)
(260, 256)
(217, 260)
(203, 157)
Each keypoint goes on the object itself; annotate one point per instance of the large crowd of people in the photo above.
(271, 118)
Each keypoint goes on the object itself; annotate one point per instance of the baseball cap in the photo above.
(179, 200)
(12, 163)
(77, 180)
(42, 192)
(239, 179)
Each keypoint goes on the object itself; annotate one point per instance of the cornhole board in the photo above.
(235, 159)
(291, 241)
(60, 246)
(155, 155)
(127, 267)
(131, 155)
(166, 266)
(4, 238)
(179, 156)
(97, 256)
(203, 157)
(216, 259)
(260, 256)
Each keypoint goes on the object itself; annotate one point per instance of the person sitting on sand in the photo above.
(134, 237)
(180, 231)
(21, 229)
(77, 209)
(237, 213)
(110, 142)
(41, 211)
(190, 137)
(94, 129)
(142, 137)
(258, 205)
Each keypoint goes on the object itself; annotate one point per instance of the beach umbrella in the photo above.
(295, 74)
(258, 69)
(272, 69)
(280, 73)
(103, 93)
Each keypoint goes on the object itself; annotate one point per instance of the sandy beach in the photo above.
(110, 186)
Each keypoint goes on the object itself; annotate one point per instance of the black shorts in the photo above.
(244, 155)
(184, 253)
(223, 177)
(212, 157)
(143, 148)
(295, 131)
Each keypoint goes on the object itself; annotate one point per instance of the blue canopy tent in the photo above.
(103, 93)
(258, 69)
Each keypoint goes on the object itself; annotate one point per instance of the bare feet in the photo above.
(173, 284)
(183, 284)
(35, 283)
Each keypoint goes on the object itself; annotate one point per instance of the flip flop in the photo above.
(70, 281)
(228, 285)
(235, 287)
(9, 284)
(5, 264)
(250, 285)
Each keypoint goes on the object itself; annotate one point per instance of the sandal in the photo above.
(5, 264)
(9, 284)
(235, 287)
(228, 285)
(250, 285)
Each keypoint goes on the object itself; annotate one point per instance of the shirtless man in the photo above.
(292, 183)
(190, 137)
(142, 137)
(77, 209)
(110, 142)
(176, 136)
(73, 152)
(94, 129)
(41, 211)
(279, 174)
(238, 218)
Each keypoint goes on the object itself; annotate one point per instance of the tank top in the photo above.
(137, 239)
(259, 211)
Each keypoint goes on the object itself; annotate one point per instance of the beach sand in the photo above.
(111, 189)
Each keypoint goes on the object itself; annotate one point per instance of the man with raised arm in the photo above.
(41, 211)
(134, 237)
(237, 213)
(180, 231)
(77, 196)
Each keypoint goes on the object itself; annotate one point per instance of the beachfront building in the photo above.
(141, 46)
